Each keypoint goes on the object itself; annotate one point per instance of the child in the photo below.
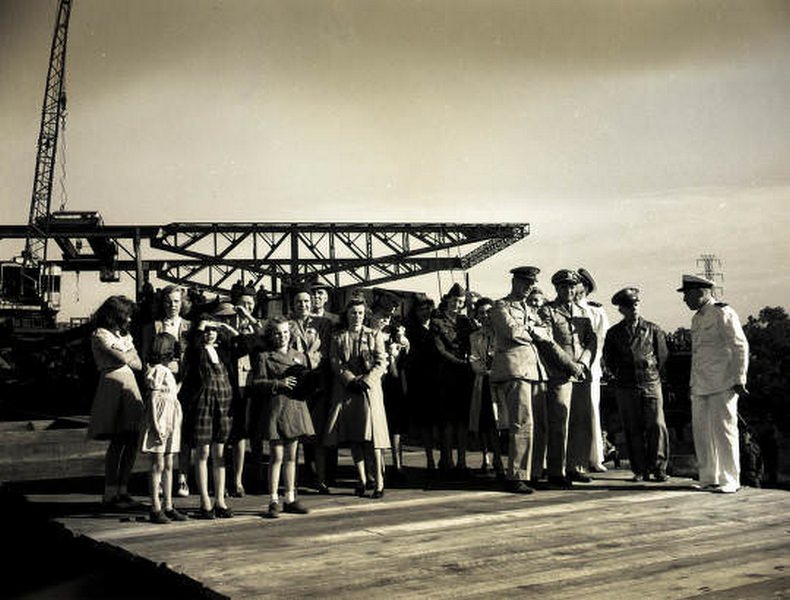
(209, 394)
(162, 427)
(282, 380)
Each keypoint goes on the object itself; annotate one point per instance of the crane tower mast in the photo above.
(35, 252)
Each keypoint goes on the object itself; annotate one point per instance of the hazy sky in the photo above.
(632, 136)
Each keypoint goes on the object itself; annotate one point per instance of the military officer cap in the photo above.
(586, 279)
(626, 297)
(320, 285)
(564, 276)
(530, 273)
(695, 282)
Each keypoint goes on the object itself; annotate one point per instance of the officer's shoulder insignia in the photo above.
(721, 304)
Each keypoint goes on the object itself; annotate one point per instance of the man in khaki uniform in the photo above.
(518, 378)
(568, 401)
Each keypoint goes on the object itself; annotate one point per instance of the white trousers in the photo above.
(596, 452)
(714, 422)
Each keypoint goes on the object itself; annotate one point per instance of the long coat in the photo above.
(482, 352)
(356, 415)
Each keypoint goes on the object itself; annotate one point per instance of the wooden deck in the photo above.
(608, 539)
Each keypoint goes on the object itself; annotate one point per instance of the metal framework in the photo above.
(214, 256)
(51, 113)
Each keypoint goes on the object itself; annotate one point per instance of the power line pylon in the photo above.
(710, 263)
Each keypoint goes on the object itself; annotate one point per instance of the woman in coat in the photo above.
(357, 416)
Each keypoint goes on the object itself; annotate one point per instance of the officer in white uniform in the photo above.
(719, 361)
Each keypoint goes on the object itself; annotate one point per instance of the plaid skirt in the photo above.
(210, 412)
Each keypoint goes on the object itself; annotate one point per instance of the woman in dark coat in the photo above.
(282, 381)
(451, 330)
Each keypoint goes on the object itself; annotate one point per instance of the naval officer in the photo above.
(719, 361)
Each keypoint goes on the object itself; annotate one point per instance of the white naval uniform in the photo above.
(719, 361)
(600, 325)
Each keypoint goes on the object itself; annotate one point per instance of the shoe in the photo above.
(238, 492)
(183, 488)
(126, 502)
(205, 514)
(579, 476)
(174, 515)
(295, 508)
(637, 478)
(322, 489)
(661, 477)
(518, 487)
(559, 482)
(377, 494)
(599, 468)
(727, 489)
(158, 517)
(274, 510)
(223, 512)
(359, 490)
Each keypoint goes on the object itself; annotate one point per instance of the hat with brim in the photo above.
(224, 309)
(564, 276)
(586, 279)
(626, 297)
(527, 273)
(695, 282)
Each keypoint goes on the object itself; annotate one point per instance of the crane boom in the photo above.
(35, 252)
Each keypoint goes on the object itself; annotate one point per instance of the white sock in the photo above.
(274, 497)
(290, 496)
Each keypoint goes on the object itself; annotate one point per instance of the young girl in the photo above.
(162, 422)
(281, 379)
(209, 395)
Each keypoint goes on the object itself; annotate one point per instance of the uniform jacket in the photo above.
(719, 350)
(635, 356)
(515, 355)
(572, 330)
(451, 338)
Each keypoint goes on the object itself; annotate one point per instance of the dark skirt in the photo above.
(283, 418)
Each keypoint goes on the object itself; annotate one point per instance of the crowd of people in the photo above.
(521, 375)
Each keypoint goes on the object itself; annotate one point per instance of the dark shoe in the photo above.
(274, 510)
(295, 508)
(661, 477)
(559, 482)
(322, 489)
(359, 490)
(579, 476)
(238, 492)
(158, 517)
(126, 502)
(174, 515)
(223, 513)
(637, 478)
(518, 487)
(377, 494)
(204, 513)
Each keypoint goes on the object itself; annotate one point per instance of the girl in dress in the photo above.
(357, 416)
(117, 406)
(162, 433)
(283, 382)
(209, 394)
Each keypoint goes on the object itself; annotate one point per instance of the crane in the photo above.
(34, 256)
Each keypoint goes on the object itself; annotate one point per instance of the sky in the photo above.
(632, 136)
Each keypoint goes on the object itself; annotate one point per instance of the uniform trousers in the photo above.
(580, 427)
(596, 448)
(558, 408)
(519, 396)
(714, 423)
(646, 437)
